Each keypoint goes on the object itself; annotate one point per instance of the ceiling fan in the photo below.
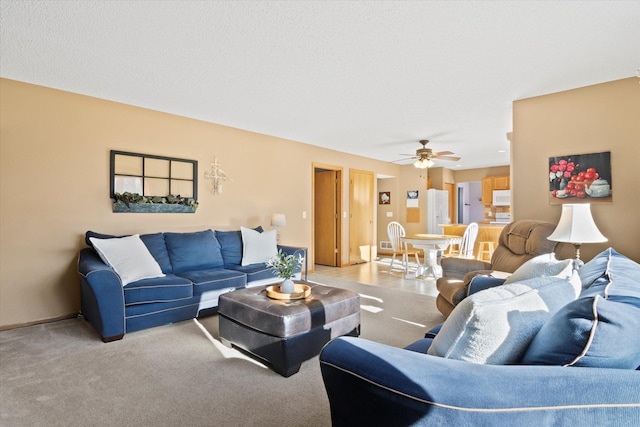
(424, 156)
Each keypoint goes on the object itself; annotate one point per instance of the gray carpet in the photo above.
(61, 374)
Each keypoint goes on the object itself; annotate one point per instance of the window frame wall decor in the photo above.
(151, 183)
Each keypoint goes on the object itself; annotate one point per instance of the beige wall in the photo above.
(603, 117)
(54, 186)
(408, 179)
(54, 179)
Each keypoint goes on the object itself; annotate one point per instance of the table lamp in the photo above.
(576, 226)
(278, 220)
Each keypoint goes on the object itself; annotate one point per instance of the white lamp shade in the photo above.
(278, 220)
(576, 225)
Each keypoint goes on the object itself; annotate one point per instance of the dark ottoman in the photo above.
(286, 333)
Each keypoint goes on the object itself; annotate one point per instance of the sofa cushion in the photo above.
(496, 325)
(231, 245)
(258, 247)
(255, 271)
(590, 332)
(544, 265)
(193, 251)
(214, 279)
(161, 289)
(610, 274)
(89, 234)
(154, 242)
(129, 257)
(599, 329)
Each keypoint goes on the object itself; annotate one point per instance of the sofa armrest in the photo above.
(102, 296)
(456, 268)
(293, 250)
(370, 383)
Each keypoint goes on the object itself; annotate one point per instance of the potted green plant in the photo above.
(284, 266)
(134, 202)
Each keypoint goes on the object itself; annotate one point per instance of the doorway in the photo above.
(327, 184)
(470, 208)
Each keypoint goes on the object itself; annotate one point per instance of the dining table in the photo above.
(432, 245)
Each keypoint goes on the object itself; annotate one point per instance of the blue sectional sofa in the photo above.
(196, 269)
(580, 368)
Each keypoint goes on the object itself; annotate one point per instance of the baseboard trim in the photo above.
(38, 322)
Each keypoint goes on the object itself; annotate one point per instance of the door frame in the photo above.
(453, 200)
(339, 172)
(372, 212)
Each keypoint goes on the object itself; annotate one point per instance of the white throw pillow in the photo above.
(545, 265)
(258, 247)
(129, 257)
(495, 326)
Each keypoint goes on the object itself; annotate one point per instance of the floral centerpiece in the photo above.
(284, 266)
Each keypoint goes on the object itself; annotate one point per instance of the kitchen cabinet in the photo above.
(491, 183)
(500, 182)
(487, 191)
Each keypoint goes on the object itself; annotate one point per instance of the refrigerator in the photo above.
(437, 210)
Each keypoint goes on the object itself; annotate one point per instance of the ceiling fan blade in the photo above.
(443, 153)
(404, 160)
(452, 158)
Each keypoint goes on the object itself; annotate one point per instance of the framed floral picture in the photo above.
(580, 178)
(384, 198)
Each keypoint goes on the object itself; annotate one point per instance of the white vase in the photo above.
(287, 287)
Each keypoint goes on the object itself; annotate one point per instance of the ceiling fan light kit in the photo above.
(423, 163)
(425, 156)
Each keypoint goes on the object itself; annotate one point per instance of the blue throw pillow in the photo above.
(231, 245)
(193, 251)
(610, 274)
(600, 328)
(590, 332)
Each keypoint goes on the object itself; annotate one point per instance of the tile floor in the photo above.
(376, 273)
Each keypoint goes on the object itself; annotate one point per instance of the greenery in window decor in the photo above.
(134, 202)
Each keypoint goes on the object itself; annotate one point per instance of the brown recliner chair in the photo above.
(518, 242)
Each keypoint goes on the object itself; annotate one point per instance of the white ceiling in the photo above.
(364, 77)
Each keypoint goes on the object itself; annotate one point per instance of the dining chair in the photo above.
(396, 232)
(465, 247)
